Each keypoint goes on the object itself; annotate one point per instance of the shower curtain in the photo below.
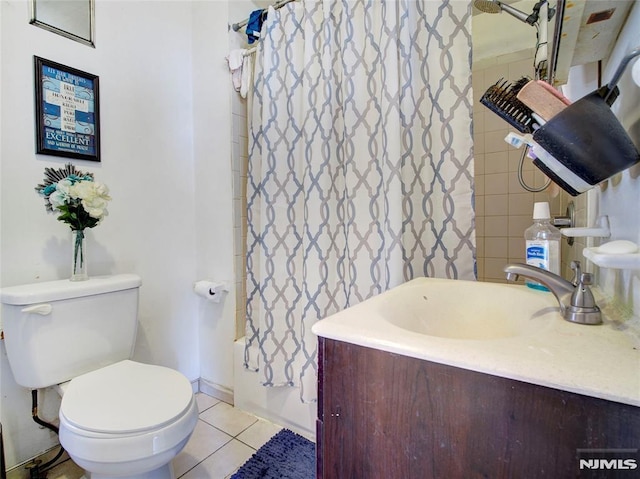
(360, 166)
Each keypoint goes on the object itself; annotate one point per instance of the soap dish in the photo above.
(614, 261)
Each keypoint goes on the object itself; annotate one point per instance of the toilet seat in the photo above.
(126, 398)
(126, 411)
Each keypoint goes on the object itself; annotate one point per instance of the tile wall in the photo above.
(239, 164)
(239, 158)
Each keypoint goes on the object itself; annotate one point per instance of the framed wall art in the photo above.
(67, 111)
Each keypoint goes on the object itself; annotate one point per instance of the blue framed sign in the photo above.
(67, 111)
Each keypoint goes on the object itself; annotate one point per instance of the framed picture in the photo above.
(67, 111)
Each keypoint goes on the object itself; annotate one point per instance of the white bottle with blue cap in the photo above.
(542, 241)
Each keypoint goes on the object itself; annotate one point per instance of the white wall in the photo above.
(165, 156)
(214, 199)
(619, 197)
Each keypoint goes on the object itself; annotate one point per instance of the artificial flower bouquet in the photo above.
(80, 200)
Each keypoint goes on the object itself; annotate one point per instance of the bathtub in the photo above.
(280, 405)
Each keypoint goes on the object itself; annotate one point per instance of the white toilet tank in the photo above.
(57, 330)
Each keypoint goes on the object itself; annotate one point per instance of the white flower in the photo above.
(94, 197)
(74, 196)
(61, 195)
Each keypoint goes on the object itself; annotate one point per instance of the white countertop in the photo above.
(601, 361)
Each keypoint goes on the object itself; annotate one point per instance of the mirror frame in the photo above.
(33, 4)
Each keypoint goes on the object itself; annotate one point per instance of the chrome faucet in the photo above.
(575, 297)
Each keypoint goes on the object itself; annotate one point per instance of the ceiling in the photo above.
(500, 34)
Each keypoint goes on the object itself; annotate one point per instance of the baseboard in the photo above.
(216, 390)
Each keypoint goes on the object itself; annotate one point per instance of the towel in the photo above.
(254, 25)
(247, 69)
(235, 60)
(241, 67)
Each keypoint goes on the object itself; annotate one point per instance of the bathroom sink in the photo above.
(467, 309)
(505, 330)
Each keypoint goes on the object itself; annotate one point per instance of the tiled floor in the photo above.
(223, 440)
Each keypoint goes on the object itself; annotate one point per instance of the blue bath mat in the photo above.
(287, 455)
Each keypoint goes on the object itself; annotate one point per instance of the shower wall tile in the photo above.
(515, 250)
(478, 164)
(539, 178)
(494, 269)
(239, 154)
(520, 203)
(237, 185)
(239, 124)
(244, 142)
(496, 162)
(237, 210)
(514, 57)
(514, 160)
(496, 184)
(480, 227)
(478, 143)
(238, 105)
(493, 122)
(496, 205)
(235, 155)
(520, 68)
(480, 201)
(494, 141)
(496, 226)
(478, 121)
(479, 186)
(480, 246)
(480, 267)
(497, 248)
(514, 184)
(477, 83)
(519, 223)
(495, 73)
(244, 164)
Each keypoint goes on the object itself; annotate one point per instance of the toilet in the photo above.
(118, 418)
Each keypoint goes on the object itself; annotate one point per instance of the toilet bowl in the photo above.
(127, 419)
(118, 418)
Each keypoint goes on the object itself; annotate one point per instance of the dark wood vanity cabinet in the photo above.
(387, 416)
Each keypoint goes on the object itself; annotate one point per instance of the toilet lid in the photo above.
(126, 397)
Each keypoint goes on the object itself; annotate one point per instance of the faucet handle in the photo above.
(586, 279)
(582, 296)
(577, 272)
(582, 308)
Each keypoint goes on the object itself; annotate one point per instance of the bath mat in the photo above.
(287, 455)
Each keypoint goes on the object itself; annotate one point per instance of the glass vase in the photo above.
(78, 256)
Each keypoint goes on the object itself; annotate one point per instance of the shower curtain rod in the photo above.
(239, 25)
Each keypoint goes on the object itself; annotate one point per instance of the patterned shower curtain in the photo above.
(360, 166)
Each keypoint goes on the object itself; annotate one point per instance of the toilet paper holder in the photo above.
(211, 290)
